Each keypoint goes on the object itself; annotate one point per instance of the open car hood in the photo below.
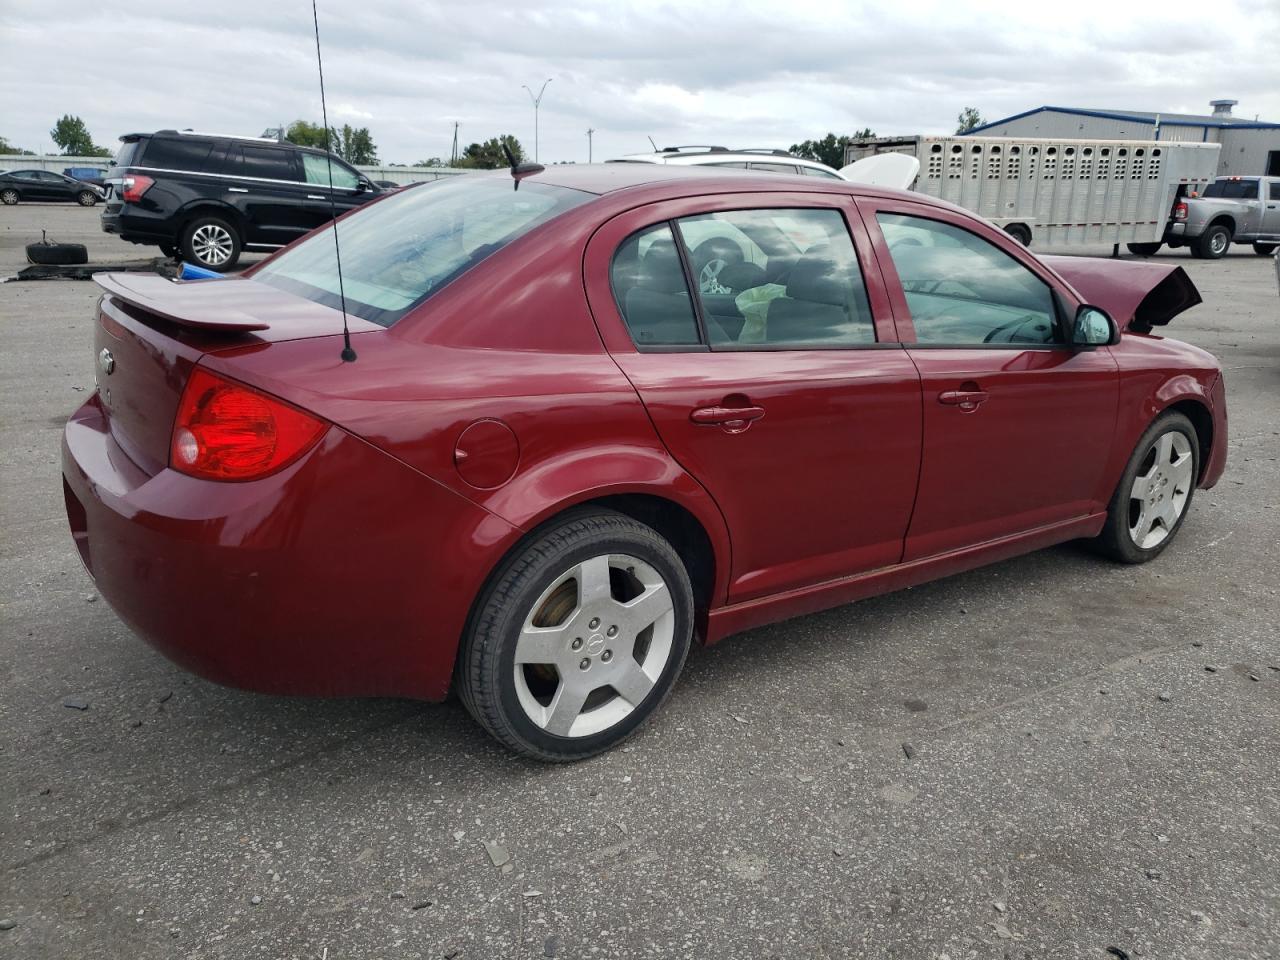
(1138, 296)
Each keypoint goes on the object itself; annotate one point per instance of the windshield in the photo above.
(1233, 189)
(400, 250)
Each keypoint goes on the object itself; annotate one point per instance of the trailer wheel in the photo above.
(1144, 249)
(1020, 232)
(1265, 249)
(1213, 243)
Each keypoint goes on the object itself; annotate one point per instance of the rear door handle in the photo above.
(964, 399)
(236, 190)
(315, 196)
(732, 419)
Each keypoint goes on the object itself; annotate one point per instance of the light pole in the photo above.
(590, 131)
(537, 102)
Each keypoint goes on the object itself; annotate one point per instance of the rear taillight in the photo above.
(134, 186)
(228, 431)
(1180, 210)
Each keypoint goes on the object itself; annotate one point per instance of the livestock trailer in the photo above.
(1058, 193)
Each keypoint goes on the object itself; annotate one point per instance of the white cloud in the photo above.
(737, 72)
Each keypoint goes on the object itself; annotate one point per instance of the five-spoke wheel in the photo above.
(1155, 491)
(579, 638)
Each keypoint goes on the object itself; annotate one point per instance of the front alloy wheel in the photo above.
(579, 639)
(1155, 492)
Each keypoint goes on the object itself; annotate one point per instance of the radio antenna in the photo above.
(348, 354)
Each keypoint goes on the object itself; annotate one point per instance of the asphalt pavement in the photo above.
(1052, 757)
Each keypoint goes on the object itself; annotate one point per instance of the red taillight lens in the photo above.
(134, 186)
(1180, 211)
(228, 431)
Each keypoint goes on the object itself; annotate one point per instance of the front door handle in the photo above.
(964, 399)
(237, 190)
(732, 419)
(312, 196)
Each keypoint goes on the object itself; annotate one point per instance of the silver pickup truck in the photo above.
(1231, 210)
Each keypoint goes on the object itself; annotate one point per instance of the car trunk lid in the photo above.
(1138, 296)
(151, 332)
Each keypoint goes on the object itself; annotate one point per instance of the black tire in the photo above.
(57, 253)
(86, 198)
(1144, 249)
(486, 674)
(1213, 243)
(1116, 540)
(9, 196)
(1020, 232)
(196, 250)
(1265, 249)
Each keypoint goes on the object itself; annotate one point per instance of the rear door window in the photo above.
(774, 167)
(267, 163)
(167, 154)
(650, 289)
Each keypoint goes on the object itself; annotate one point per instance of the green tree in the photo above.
(489, 155)
(830, 149)
(356, 146)
(72, 137)
(306, 134)
(968, 119)
(9, 149)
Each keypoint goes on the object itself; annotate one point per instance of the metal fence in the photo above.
(58, 163)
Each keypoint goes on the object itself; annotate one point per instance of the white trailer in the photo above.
(1057, 193)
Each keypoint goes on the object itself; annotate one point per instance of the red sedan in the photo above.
(595, 412)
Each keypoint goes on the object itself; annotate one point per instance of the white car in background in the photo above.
(765, 160)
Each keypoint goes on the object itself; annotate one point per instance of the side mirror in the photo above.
(1093, 327)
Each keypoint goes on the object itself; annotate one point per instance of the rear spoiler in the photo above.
(1138, 296)
(186, 304)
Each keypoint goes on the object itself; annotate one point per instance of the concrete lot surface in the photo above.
(1081, 781)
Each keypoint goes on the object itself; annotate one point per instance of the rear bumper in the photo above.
(137, 226)
(345, 574)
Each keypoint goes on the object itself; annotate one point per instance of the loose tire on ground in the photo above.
(1158, 483)
(57, 253)
(1144, 249)
(554, 621)
(1020, 232)
(1265, 249)
(1213, 243)
(211, 242)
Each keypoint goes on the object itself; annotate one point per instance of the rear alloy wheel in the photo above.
(8, 197)
(1265, 249)
(579, 638)
(1213, 243)
(212, 243)
(1144, 249)
(86, 198)
(1155, 492)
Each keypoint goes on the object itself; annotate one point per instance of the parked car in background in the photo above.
(762, 160)
(1231, 210)
(560, 453)
(93, 175)
(19, 186)
(208, 197)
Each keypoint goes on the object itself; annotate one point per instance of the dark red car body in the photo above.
(516, 392)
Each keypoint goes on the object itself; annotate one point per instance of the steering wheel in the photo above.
(710, 257)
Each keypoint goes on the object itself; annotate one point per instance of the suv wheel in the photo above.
(9, 197)
(1213, 243)
(212, 243)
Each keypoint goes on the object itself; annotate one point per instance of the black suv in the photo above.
(208, 196)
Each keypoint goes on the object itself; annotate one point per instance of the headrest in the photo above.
(660, 267)
(817, 277)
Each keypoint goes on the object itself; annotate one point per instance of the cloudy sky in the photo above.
(741, 73)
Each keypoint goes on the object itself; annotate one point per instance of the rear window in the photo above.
(399, 251)
(1233, 189)
(166, 154)
(124, 156)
